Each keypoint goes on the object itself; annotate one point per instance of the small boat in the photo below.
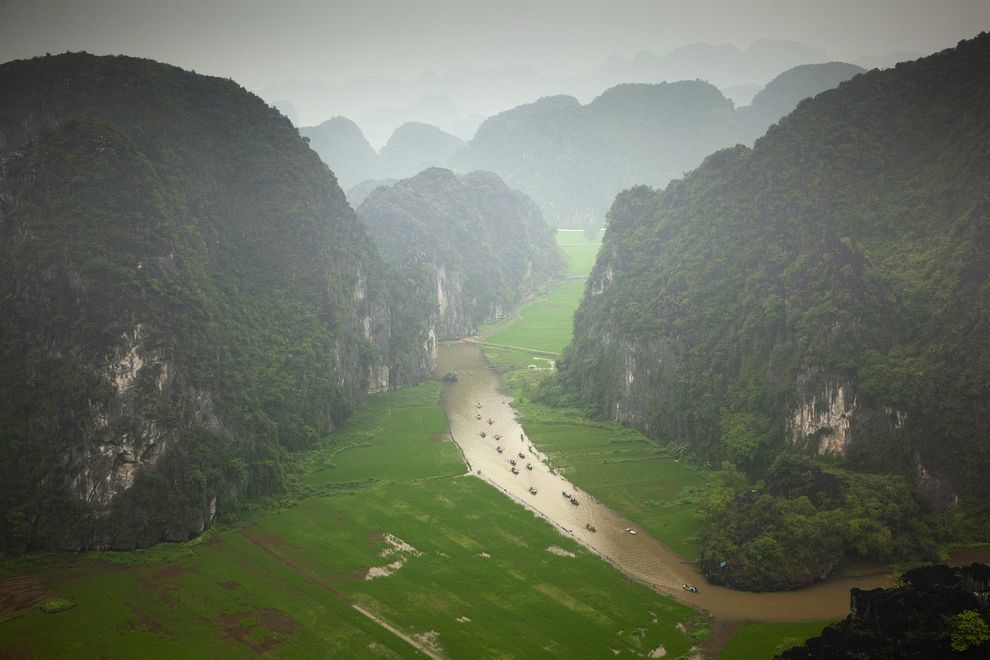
(477, 416)
(450, 377)
(491, 421)
(565, 494)
(522, 455)
(512, 461)
(590, 527)
(529, 466)
(483, 434)
(631, 531)
(515, 470)
(498, 437)
(532, 490)
(690, 588)
(574, 501)
(498, 449)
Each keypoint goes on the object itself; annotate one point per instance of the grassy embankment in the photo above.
(619, 466)
(472, 574)
(767, 640)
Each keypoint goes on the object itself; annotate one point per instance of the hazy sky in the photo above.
(257, 42)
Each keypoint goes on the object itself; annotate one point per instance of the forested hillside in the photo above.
(471, 244)
(572, 159)
(184, 295)
(825, 292)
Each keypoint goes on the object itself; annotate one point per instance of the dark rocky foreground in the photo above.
(939, 612)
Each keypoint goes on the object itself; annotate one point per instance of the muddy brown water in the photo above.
(476, 394)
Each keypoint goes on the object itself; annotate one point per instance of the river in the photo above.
(476, 395)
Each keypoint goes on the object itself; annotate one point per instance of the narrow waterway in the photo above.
(475, 399)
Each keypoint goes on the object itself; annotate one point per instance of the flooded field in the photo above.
(482, 421)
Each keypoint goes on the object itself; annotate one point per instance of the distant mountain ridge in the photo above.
(572, 158)
(412, 148)
(471, 92)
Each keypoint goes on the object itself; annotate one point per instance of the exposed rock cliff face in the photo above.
(471, 244)
(184, 295)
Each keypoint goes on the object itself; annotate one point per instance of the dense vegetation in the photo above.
(572, 158)
(471, 244)
(827, 291)
(937, 612)
(802, 519)
(184, 296)
(782, 94)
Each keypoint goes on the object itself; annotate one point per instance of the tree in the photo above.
(968, 630)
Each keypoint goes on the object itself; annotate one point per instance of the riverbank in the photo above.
(640, 555)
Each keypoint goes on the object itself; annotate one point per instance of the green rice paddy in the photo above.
(767, 640)
(580, 252)
(545, 325)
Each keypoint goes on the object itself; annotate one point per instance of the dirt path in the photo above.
(22, 593)
(419, 646)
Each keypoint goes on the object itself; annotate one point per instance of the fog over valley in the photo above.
(518, 329)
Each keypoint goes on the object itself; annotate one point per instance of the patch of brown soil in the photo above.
(437, 438)
(722, 633)
(375, 538)
(242, 627)
(175, 570)
(272, 541)
(277, 621)
(212, 542)
(22, 593)
(229, 586)
(271, 545)
(147, 622)
(350, 576)
(162, 583)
